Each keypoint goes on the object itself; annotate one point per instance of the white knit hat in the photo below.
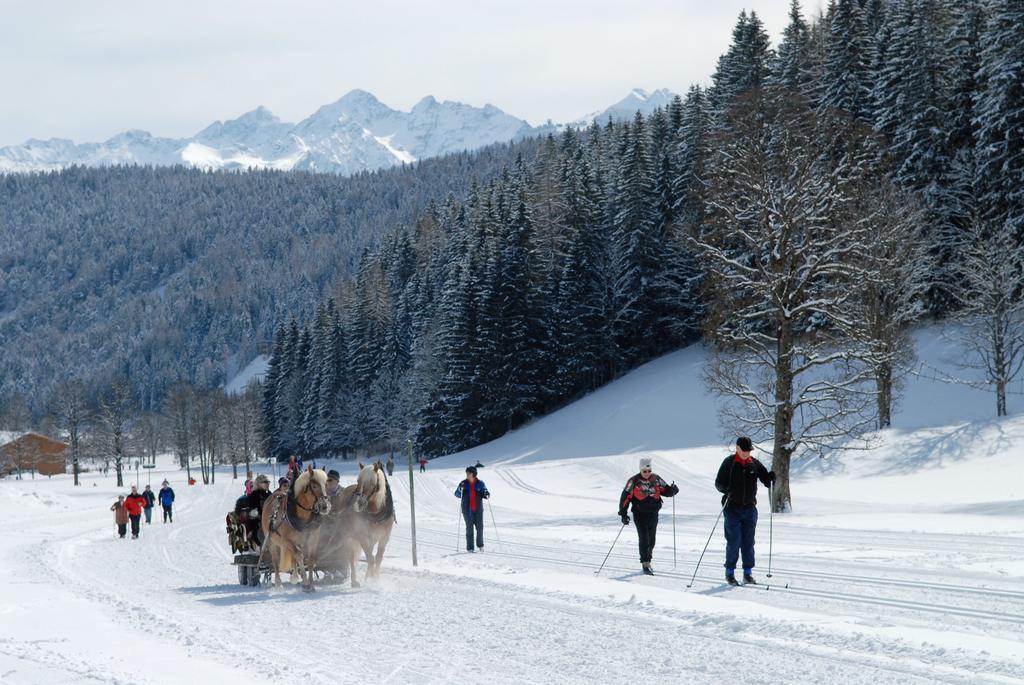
(645, 463)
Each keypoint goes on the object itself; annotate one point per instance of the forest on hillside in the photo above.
(797, 215)
(168, 275)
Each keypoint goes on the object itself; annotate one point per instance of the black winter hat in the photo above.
(744, 444)
(333, 474)
(471, 469)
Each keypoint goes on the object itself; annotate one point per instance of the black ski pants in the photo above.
(135, 518)
(646, 529)
(474, 520)
(168, 516)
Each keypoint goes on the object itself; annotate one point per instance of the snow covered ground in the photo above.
(900, 565)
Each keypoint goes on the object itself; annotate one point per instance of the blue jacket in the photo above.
(166, 496)
(481, 494)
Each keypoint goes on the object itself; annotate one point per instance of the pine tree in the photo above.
(999, 112)
(744, 66)
(791, 67)
(847, 61)
(635, 249)
(270, 420)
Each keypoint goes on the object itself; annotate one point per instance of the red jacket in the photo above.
(134, 504)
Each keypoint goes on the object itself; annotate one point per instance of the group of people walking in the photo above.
(642, 496)
(131, 509)
(737, 480)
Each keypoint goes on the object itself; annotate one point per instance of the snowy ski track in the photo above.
(899, 565)
(538, 607)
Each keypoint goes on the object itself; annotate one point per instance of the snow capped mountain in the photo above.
(356, 133)
(638, 100)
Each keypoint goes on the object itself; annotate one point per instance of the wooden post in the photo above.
(412, 502)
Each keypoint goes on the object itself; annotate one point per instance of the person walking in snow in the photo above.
(135, 503)
(391, 466)
(473, 492)
(166, 498)
(642, 494)
(120, 516)
(737, 481)
(147, 493)
(423, 465)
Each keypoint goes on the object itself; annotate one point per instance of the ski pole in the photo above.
(707, 543)
(674, 560)
(771, 510)
(598, 571)
(458, 529)
(495, 525)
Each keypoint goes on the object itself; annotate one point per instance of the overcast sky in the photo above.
(88, 70)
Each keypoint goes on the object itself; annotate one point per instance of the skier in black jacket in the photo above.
(737, 481)
(643, 493)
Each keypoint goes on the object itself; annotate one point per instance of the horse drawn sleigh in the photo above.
(312, 529)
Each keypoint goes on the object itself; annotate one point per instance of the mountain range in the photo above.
(356, 133)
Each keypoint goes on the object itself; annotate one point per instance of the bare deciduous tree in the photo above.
(782, 268)
(178, 409)
(992, 302)
(73, 413)
(115, 413)
(897, 272)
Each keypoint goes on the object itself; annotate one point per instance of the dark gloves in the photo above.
(625, 519)
(487, 495)
(673, 490)
(771, 477)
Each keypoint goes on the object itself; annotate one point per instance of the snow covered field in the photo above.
(900, 565)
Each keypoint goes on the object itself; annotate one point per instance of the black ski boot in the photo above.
(731, 579)
(749, 580)
(647, 569)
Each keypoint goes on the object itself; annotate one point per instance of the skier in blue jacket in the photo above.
(473, 492)
(166, 497)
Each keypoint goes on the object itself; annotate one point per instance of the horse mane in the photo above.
(379, 499)
(303, 481)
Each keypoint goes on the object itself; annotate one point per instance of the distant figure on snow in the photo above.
(120, 516)
(166, 497)
(135, 503)
(473, 492)
(147, 493)
(423, 465)
(737, 481)
(391, 466)
(643, 493)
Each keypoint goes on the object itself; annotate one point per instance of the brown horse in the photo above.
(368, 519)
(291, 526)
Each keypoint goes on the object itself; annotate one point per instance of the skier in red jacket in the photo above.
(134, 504)
(643, 493)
